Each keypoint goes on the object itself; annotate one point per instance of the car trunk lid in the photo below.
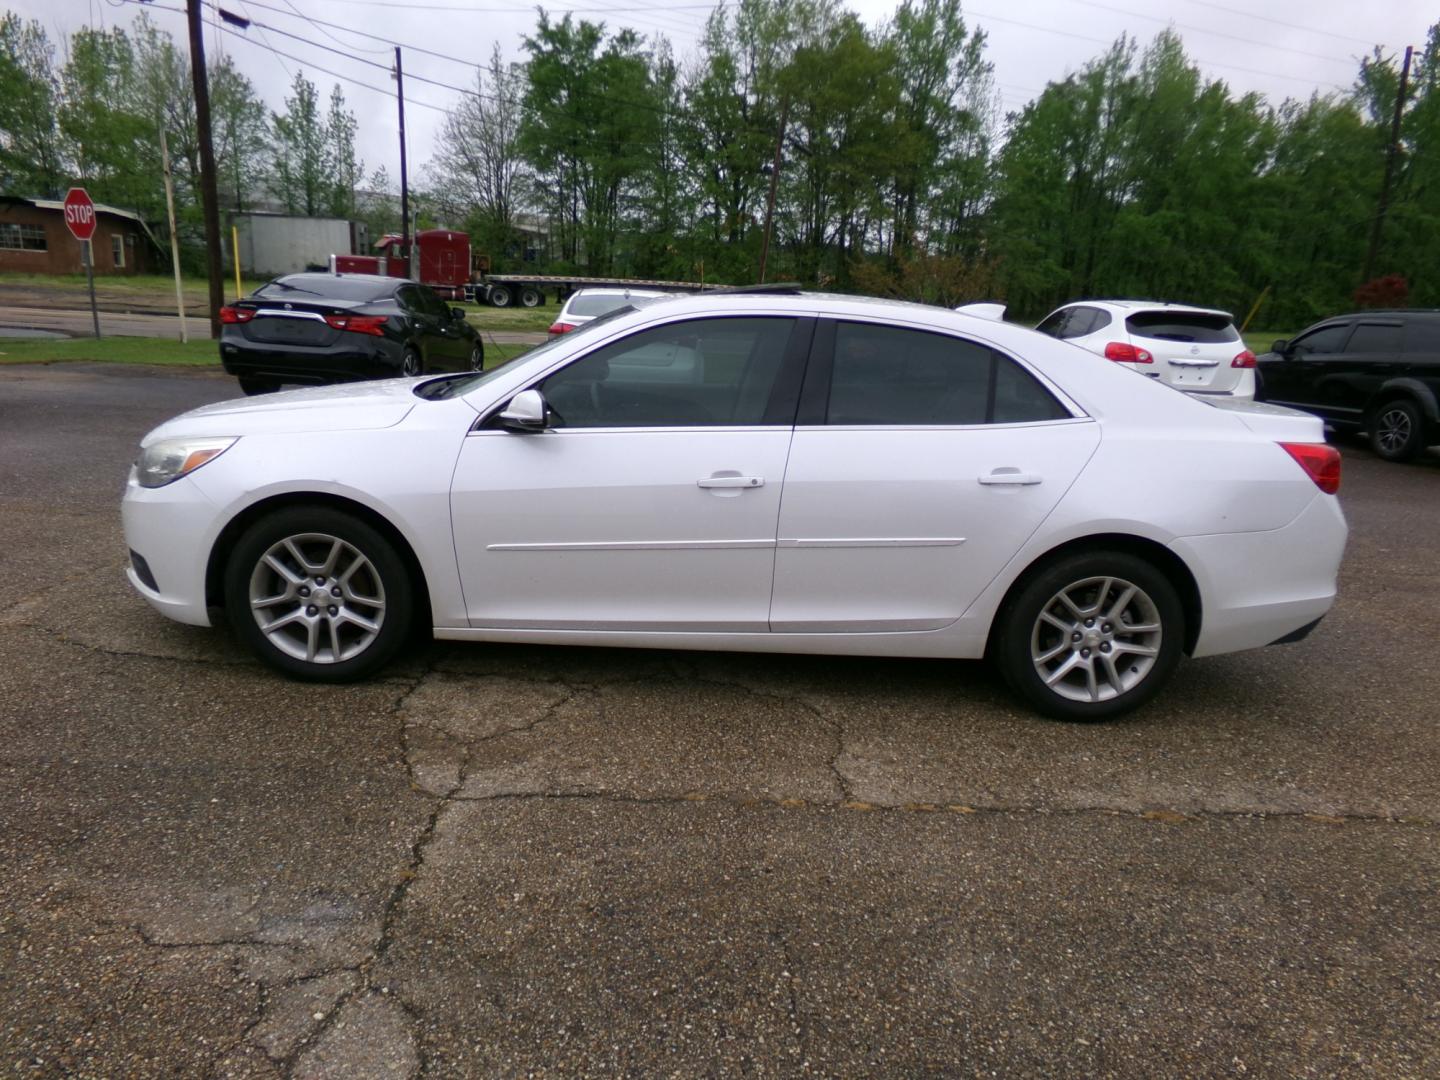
(290, 322)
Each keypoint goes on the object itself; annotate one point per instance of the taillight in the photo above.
(358, 324)
(236, 314)
(561, 328)
(1127, 354)
(1244, 359)
(1320, 461)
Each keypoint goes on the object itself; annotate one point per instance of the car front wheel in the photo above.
(1091, 636)
(318, 594)
(1398, 431)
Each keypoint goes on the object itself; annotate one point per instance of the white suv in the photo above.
(585, 305)
(1194, 349)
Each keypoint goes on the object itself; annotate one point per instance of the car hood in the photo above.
(346, 407)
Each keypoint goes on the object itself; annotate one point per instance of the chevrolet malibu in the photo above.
(764, 471)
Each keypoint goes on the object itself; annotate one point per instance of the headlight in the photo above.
(170, 459)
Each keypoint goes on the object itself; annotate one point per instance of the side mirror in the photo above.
(458, 314)
(526, 412)
(1281, 347)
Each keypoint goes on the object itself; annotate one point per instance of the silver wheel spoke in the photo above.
(1063, 670)
(1135, 650)
(299, 556)
(1117, 609)
(334, 640)
(1112, 676)
(312, 639)
(298, 615)
(328, 566)
(1099, 605)
(284, 571)
(1092, 685)
(271, 601)
(357, 620)
(1046, 657)
(1058, 623)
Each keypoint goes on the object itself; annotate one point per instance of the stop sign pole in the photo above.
(80, 220)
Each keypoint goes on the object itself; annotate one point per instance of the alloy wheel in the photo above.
(317, 598)
(1393, 431)
(1096, 639)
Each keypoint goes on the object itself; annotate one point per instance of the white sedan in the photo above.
(759, 471)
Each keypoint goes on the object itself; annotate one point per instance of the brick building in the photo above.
(34, 240)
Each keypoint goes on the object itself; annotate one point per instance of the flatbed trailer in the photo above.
(529, 290)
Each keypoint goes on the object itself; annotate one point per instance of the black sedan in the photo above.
(327, 328)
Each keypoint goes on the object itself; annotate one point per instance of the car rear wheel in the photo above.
(410, 363)
(500, 296)
(477, 358)
(1091, 636)
(530, 297)
(1398, 431)
(254, 386)
(318, 594)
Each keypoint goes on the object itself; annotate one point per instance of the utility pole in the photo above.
(774, 179)
(404, 177)
(174, 239)
(209, 196)
(1390, 156)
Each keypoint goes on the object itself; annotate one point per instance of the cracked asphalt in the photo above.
(510, 861)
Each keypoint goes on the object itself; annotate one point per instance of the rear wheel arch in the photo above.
(235, 528)
(1153, 552)
(1407, 389)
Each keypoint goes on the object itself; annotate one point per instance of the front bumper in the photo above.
(170, 528)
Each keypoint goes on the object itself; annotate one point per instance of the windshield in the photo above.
(451, 386)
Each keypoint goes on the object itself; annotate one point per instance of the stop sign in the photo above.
(80, 213)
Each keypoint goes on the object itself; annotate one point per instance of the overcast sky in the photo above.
(1280, 48)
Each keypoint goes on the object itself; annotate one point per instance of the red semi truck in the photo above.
(448, 266)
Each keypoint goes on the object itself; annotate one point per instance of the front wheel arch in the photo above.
(1158, 555)
(236, 526)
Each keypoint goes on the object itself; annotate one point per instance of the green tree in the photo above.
(300, 151)
(29, 158)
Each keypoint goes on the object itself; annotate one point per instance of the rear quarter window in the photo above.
(1198, 328)
(1423, 336)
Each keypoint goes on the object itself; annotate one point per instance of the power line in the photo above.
(329, 35)
(1282, 22)
(1212, 33)
(1198, 60)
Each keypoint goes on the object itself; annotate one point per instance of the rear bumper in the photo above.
(377, 358)
(1260, 588)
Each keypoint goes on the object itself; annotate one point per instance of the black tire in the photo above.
(1022, 635)
(500, 296)
(1397, 430)
(385, 575)
(253, 386)
(411, 363)
(477, 357)
(530, 297)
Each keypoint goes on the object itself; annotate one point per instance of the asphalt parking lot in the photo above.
(509, 861)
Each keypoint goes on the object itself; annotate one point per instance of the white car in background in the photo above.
(1194, 349)
(585, 305)
(762, 471)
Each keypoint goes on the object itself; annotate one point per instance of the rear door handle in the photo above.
(1009, 476)
(731, 482)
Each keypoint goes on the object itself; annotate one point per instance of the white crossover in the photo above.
(1197, 350)
(764, 471)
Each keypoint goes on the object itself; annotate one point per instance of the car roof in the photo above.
(1134, 306)
(318, 276)
(615, 290)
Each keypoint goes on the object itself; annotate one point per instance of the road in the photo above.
(506, 861)
(78, 323)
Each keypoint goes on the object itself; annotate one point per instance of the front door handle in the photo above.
(1009, 476)
(731, 482)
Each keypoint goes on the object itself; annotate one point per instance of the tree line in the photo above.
(894, 168)
(95, 119)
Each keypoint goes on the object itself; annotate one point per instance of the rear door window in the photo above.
(1375, 338)
(892, 376)
(1194, 327)
(1073, 322)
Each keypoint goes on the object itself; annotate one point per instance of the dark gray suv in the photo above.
(1375, 371)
